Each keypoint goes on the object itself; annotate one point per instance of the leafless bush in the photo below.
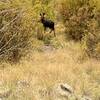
(14, 34)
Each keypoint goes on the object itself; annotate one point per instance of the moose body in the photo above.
(47, 23)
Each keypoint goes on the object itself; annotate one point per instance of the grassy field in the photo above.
(42, 70)
(31, 66)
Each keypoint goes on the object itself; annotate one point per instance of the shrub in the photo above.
(18, 23)
(15, 31)
(91, 46)
(77, 16)
(81, 19)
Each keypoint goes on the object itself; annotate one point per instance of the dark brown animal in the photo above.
(47, 23)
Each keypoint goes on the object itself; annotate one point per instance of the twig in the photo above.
(8, 10)
(10, 22)
(11, 48)
(2, 29)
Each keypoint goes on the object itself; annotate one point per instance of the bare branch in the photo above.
(3, 28)
(12, 21)
(8, 10)
(10, 49)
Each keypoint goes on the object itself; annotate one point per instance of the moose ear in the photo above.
(43, 14)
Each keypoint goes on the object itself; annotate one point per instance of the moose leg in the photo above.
(54, 33)
(50, 31)
(44, 29)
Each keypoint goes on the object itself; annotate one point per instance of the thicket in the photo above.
(19, 24)
(16, 29)
(82, 21)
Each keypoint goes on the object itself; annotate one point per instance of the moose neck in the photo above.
(42, 20)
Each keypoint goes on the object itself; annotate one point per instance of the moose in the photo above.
(47, 23)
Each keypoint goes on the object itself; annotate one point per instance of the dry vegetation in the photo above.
(30, 65)
(82, 24)
(43, 70)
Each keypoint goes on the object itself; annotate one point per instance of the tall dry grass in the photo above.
(45, 66)
(42, 70)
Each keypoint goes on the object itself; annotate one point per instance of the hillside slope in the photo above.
(42, 70)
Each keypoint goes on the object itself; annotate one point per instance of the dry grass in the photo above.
(46, 66)
(44, 69)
